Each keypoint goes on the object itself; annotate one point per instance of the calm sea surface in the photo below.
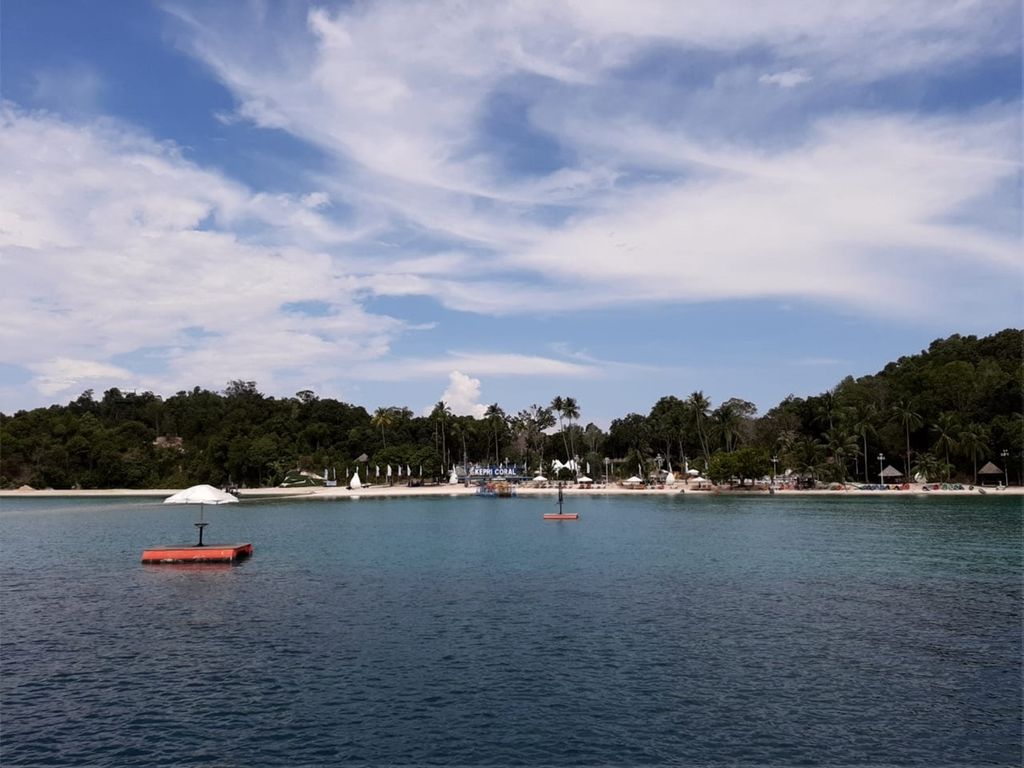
(682, 630)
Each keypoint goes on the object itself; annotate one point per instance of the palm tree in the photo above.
(572, 412)
(910, 419)
(440, 415)
(928, 466)
(698, 406)
(945, 427)
(974, 440)
(842, 444)
(383, 418)
(558, 406)
(863, 424)
(727, 421)
(496, 418)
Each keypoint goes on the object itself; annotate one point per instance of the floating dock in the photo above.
(562, 516)
(208, 553)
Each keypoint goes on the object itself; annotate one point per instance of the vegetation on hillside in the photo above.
(942, 413)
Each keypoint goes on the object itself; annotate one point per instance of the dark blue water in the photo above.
(703, 631)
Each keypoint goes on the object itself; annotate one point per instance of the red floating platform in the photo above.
(209, 553)
(561, 516)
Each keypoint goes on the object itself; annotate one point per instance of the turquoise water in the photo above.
(682, 630)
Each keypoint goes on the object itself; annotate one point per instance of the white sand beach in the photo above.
(397, 491)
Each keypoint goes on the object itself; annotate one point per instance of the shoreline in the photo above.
(402, 491)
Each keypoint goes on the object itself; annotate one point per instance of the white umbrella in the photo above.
(584, 479)
(454, 478)
(355, 482)
(201, 495)
(693, 472)
(634, 479)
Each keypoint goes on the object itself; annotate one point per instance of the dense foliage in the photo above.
(941, 413)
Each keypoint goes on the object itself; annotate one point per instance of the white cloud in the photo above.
(61, 374)
(481, 364)
(788, 79)
(463, 395)
(111, 243)
(842, 206)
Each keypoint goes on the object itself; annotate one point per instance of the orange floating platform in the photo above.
(209, 553)
(562, 516)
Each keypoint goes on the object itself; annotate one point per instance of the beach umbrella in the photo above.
(201, 495)
(355, 482)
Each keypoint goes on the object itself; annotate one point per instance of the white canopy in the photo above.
(634, 479)
(201, 494)
(540, 479)
(584, 479)
(693, 472)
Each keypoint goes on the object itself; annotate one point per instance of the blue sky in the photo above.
(393, 203)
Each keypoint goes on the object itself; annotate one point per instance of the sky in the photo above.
(395, 203)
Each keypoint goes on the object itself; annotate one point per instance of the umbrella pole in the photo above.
(200, 525)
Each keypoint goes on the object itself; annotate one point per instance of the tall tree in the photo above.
(495, 418)
(862, 421)
(909, 418)
(699, 406)
(384, 418)
(974, 441)
(945, 429)
(572, 412)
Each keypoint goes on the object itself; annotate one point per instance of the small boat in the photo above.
(500, 489)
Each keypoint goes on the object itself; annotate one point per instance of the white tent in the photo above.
(670, 479)
(540, 479)
(634, 480)
(454, 478)
(355, 482)
(583, 479)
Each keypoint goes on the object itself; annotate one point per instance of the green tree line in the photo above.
(941, 413)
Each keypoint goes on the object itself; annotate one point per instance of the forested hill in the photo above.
(941, 413)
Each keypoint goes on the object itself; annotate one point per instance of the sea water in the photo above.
(465, 631)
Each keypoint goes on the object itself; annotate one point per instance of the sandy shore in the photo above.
(385, 491)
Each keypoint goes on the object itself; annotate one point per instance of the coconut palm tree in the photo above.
(572, 412)
(495, 417)
(699, 406)
(862, 421)
(842, 444)
(726, 421)
(383, 418)
(558, 406)
(946, 428)
(910, 419)
(974, 441)
(440, 414)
